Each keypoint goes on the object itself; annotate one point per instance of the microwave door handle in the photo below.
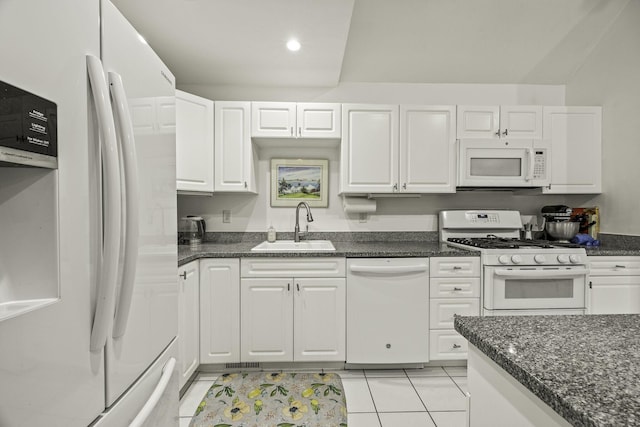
(540, 273)
(131, 205)
(530, 165)
(106, 290)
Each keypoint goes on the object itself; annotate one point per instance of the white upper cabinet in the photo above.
(506, 121)
(194, 143)
(369, 149)
(295, 120)
(234, 155)
(316, 120)
(427, 149)
(391, 149)
(575, 138)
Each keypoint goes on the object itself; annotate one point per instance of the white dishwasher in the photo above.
(387, 310)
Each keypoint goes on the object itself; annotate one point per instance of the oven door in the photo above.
(534, 288)
(514, 163)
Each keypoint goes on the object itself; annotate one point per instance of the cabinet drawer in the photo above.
(614, 266)
(442, 311)
(455, 287)
(447, 345)
(293, 267)
(454, 266)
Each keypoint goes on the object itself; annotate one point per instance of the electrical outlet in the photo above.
(226, 216)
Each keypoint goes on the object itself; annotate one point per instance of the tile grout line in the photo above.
(422, 401)
(364, 372)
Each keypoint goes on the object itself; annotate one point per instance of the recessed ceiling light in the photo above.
(293, 45)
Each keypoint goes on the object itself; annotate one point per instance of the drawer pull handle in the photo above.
(621, 266)
(457, 267)
(457, 289)
(456, 346)
(184, 275)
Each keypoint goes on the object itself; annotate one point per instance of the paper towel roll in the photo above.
(358, 205)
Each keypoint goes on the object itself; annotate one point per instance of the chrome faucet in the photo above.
(296, 231)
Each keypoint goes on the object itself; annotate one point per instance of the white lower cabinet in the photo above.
(188, 321)
(614, 285)
(454, 289)
(290, 315)
(219, 310)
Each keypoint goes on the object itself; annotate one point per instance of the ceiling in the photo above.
(242, 42)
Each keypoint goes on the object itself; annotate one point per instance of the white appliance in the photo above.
(503, 163)
(387, 310)
(91, 335)
(519, 276)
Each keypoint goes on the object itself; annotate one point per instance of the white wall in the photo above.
(611, 77)
(253, 212)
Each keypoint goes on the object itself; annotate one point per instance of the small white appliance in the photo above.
(88, 255)
(518, 276)
(503, 163)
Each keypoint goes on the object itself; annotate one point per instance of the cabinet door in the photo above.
(613, 295)
(369, 153)
(233, 148)
(267, 320)
(521, 121)
(317, 120)
(575, 159)
(427, 149)
(273, 119)
(478, 121)
(188, 320)
(194, 143)
(219, 310)
(319, 319)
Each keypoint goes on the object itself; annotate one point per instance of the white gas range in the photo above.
(518, 276)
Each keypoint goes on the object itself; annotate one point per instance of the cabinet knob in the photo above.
(395, 187)
(183, 275)
(404, 186)
(498, 133)
(388, 345)
(245, 185)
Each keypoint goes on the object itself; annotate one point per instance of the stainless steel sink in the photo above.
(291, 246)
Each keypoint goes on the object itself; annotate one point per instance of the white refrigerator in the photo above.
(88, 256)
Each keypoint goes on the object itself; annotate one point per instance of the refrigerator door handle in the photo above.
(106, 290)
(128, 146)
(153, 400)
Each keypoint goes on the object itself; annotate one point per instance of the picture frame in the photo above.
(299, 180)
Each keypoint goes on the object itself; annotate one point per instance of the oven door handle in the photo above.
(536, 274)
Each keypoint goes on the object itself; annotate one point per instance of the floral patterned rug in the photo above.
(278, 399)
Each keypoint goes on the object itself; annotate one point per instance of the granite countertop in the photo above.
(343, 249)
(587, 368)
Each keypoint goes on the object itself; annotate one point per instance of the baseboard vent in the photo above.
(243, 365)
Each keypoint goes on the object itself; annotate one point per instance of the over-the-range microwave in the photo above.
(503, 163)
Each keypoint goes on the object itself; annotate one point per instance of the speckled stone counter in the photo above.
(586, 368)
(343, 249)
(616, 245)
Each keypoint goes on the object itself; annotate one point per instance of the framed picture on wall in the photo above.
(299, 180)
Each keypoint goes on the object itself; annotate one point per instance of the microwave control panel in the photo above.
(539, 163)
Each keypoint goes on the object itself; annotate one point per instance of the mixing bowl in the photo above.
(564, 230)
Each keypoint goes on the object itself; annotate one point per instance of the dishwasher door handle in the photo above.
(389, 269)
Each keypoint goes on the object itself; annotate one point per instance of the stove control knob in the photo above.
(516, 259)
(575, 259)
(563, 259)
(503, 259)
(540, 259)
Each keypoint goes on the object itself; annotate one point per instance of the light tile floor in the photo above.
(429, 397)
